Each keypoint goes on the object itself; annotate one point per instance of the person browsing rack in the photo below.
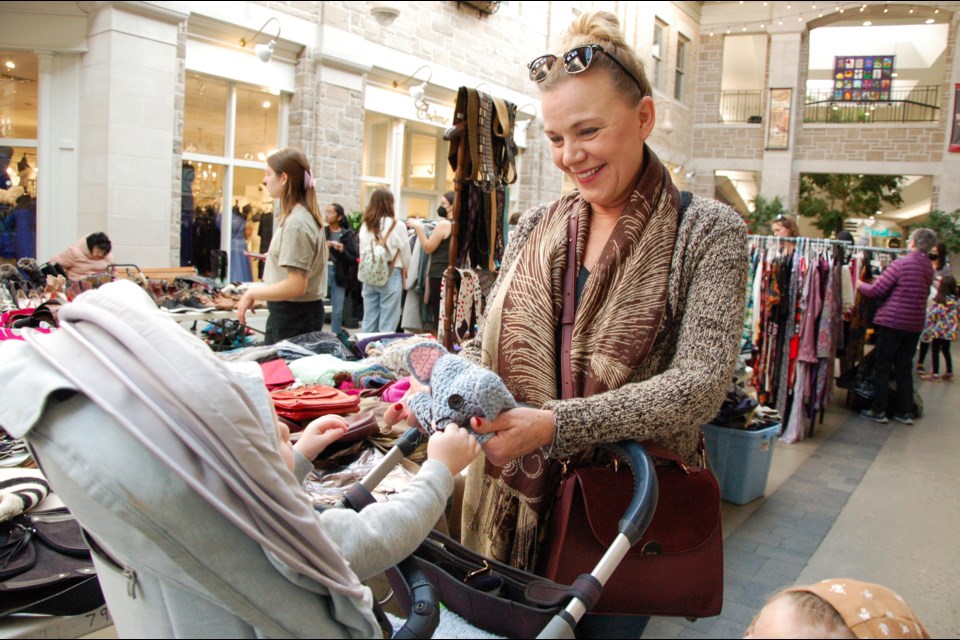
(296, 271)
(437, 246)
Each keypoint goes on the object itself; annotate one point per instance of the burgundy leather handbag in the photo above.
(677, 567)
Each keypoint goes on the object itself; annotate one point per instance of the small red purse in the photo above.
(307, 403)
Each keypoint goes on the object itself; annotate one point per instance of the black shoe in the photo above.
(874, 417)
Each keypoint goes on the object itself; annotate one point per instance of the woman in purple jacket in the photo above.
(903, 289)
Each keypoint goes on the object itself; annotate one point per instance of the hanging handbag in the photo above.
(677, 567)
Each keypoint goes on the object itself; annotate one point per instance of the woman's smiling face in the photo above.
(597, 138)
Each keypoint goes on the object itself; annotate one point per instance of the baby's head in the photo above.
(837, 609)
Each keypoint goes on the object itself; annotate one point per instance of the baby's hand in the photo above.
(454, 447)
(319, 434)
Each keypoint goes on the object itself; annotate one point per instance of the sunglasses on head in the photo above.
(575, 61)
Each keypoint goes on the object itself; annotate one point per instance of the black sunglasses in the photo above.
(575, 61)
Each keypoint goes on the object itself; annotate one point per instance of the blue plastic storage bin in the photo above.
(741, 460)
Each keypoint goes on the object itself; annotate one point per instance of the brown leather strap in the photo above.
(569, 310)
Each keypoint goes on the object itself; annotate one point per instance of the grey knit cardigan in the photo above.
(682, 382)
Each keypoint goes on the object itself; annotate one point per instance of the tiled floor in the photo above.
(861, 500)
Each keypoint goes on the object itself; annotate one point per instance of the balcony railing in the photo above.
(741, 106)
(920, 104)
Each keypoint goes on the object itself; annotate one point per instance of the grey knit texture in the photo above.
(459, 390)
(682, 382)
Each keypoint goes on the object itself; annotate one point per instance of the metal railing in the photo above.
(741, 106)
(920, 104)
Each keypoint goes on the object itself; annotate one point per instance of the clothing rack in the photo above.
(879, 249)
(802, 241)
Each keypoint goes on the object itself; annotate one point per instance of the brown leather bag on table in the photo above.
(677, 567)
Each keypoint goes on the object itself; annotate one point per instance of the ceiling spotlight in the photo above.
(867, 23)
(10, 64)
(929, 21)
(264, 51)
(266, 104)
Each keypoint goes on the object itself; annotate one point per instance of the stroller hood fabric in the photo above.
(190, 410)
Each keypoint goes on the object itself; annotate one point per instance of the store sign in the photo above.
(862, 78)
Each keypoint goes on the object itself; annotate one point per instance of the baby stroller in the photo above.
(166, 459)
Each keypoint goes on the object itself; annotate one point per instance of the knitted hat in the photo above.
(869, 610)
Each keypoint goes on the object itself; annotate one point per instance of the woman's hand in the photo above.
(400, 412)
(246, 303)
(319, 434)
(517, 432)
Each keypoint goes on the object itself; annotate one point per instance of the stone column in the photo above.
(946, 186)
(128, 119)
(785, 72)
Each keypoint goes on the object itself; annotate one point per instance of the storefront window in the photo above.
(257, 118)
(219, 114)
(18, 156)
(205, 115)
(375, 146)
(201, 219)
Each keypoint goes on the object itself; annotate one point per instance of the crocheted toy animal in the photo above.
(459, 390)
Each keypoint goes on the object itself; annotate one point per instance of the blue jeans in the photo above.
(381, 305)
(337, 295)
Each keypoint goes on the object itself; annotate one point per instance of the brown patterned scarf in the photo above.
(617, 320)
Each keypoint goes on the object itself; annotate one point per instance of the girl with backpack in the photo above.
(296, 272)
(384, 259)
(943, 318)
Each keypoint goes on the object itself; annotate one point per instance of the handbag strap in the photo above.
(569, 310)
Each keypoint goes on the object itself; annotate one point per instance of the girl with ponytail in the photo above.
(296, 271)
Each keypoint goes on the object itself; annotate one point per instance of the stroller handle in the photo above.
(644, 503)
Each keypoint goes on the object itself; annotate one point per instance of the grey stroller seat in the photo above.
(168, 459)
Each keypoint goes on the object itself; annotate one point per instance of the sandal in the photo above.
(930, 377)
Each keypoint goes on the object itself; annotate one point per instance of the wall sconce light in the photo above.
(417, 92)
(264, 51)
(384, 12)
(520, 128)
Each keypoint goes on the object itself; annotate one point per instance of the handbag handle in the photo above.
(646, 492)
(569, 310)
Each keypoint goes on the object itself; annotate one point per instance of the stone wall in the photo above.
(871, 143)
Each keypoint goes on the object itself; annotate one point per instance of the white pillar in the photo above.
(949, 197)
(785, 65)
(58, 94)
(127, 130)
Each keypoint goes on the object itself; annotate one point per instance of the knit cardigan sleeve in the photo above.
(690, 390)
